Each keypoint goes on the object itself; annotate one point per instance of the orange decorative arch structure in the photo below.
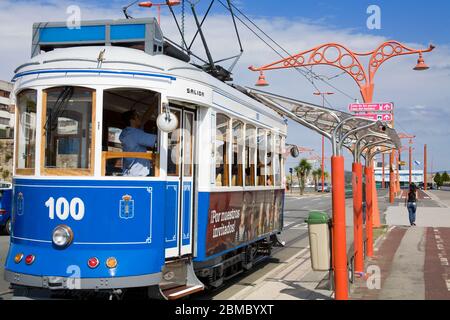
(337, 55)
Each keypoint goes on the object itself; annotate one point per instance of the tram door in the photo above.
(180, 185)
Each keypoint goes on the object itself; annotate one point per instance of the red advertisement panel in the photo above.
(239, 217)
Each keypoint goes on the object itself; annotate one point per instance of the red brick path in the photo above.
(383, 259)
(436, 268)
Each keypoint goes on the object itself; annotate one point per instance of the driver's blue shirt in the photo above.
(136, 140)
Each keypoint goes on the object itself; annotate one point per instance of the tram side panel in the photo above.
(230, 220)
(120, 219)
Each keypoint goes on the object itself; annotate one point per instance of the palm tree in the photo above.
(303, 170)
(316, 175)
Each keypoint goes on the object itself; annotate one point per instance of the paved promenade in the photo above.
(410, 263)
(413, 261)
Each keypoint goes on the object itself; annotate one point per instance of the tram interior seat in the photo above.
(115, 103)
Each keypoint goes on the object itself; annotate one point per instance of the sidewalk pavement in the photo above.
(295, 279)
(425, 216)
(411, 262)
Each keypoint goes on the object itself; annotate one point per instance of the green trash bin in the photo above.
(319, 240)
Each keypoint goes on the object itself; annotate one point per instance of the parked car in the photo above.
(5, 206)
(430, 186)
(326, 187)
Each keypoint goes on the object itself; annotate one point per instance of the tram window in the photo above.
(237, 155)
(277, 161)
(188, 143)
(68, 136)
(26, 133)
(250, 154)
(269, 160)
(222, 142)
(173, 155)
(261, 170)
(129, 126)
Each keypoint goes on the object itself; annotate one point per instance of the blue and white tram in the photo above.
(209, 207)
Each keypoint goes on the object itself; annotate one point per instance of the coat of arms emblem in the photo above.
(126, 207)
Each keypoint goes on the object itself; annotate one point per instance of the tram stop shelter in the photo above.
(364, 138)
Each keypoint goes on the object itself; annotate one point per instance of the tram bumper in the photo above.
(55, 269)
(70, 283)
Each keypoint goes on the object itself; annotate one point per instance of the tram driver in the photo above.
(135, 139)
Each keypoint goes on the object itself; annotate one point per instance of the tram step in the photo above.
(181, 291)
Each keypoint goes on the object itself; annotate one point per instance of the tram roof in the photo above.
(86, 58)
(324, 120)
(113, 57)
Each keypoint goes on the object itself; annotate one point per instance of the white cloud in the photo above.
(421, 98)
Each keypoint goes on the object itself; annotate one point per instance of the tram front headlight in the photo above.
(62, 236)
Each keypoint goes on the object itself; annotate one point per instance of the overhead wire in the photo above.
(304, 73)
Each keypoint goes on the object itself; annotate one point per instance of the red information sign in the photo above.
(371, 107)
(376, 116)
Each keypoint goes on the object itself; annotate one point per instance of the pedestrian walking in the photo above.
(411, 203)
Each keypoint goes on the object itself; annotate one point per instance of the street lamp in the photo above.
(421, 66)
(348, 61)
(261, 80)
(322, 165)
(410, 137)
(169, 3)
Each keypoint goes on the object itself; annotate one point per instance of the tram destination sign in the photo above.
(371, 107)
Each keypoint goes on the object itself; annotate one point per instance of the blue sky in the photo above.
(411, 21)
(422, 100)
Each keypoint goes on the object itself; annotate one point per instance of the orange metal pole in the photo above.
(369, 217)
(397, 186)
(159, 15)
(339, 229)
(358, 217)
(391, 177)
(410, 165)
(323, 164)
(376, 223)
(425, 167)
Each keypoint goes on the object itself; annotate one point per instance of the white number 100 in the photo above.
(63, 209)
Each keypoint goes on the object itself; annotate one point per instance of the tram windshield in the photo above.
(68, 138)
(26, 133)
(130, 134)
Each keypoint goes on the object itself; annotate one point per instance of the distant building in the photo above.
(6, 110)
(6, 130)
(416, 175)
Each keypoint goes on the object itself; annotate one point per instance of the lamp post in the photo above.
(411, 149)
(410, 137)
(169, 3)
(322, 165)
(349, 62)
(425, 168)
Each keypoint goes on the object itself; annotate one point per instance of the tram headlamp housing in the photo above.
(62, 236)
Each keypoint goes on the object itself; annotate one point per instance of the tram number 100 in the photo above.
(63, 208)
